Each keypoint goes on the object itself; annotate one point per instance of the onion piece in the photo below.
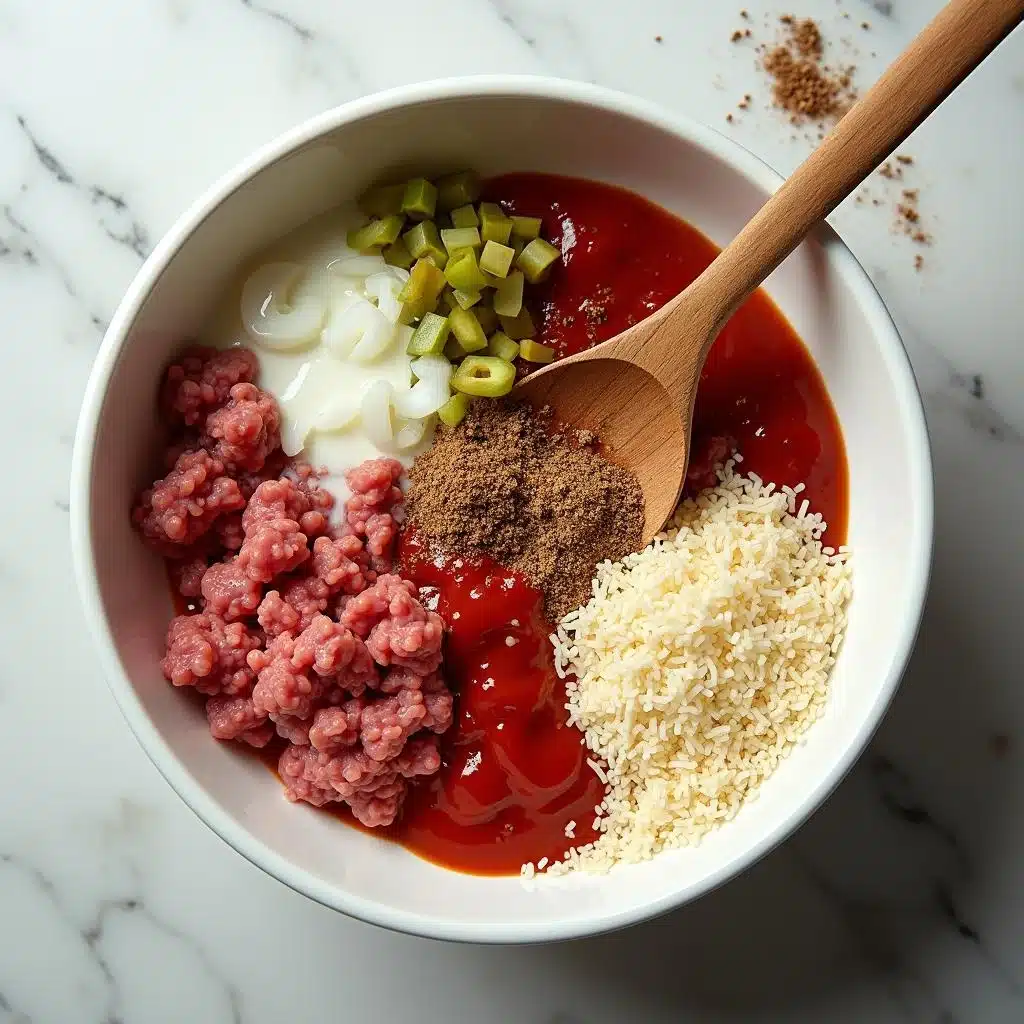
(338, 413)
(272, 315)
(375, 409)
(430, 392)
(358, 266)
(433, 367)
(360, 332)
(385, 288)
(296, 420)
(409, 433)
(403, 335)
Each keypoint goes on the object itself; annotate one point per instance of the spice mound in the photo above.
(803, 85)
(506, 483)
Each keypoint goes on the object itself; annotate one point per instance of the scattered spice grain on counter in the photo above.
(815, 93)
(541, 501)
(802, 84)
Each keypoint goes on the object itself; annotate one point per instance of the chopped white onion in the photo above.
(403, 335)
(360, 332)
(274, 317)
(342, 292)
(358, 266)
(432, 367)
(384, 288)
(296, 404)
(338, 413)
(375, 410)
(430, 392)
(410, 433)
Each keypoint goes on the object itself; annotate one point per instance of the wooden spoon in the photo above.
(637, 390)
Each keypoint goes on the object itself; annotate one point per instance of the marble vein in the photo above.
(31, 252)
(304, 34)
(93, 935)
(115, 217)
(910, 992)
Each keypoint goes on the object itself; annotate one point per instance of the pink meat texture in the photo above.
(295, 628)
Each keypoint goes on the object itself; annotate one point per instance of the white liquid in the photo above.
(309, 379)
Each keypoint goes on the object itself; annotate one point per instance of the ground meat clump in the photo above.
(539, 500)
(209, 653)
(371, 511)
(182, 506)
(236, 718)
(300, 633)
(229, 592)
(200, 381)
(334, 729)
(271, 549)
(246, 429)
(339, 562)
(187, 576)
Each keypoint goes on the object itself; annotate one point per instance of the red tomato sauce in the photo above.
(514, 774)
(624, 258)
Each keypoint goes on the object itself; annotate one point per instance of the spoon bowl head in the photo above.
(635, 418)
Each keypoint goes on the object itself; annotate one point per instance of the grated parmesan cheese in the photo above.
(699, 662)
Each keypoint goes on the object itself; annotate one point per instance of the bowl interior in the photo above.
(714, 186)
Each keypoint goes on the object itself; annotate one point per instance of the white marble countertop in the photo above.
(899, 901)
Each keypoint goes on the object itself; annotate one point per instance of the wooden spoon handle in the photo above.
(949, 48)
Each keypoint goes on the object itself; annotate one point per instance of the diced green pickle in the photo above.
(508, 296)
(453, 351)
(419, 199)
(502, 346)
(376, 233)
(421, 292)
(453, 412)
(457, 189)
(487, 317)
(463, 272)
(465, 217)
(534, 352)
(536, 259)
(430, 336)
(494, 225)
(466, 299)
(518, 327)
(467, 330)
(397, 254)
(424, 241)
(484, 376)
(454, 239)
(496, 259)
(382, 200)
(526, 228)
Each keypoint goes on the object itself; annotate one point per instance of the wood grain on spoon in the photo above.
(637, 390)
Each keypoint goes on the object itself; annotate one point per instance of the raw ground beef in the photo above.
(301, 628)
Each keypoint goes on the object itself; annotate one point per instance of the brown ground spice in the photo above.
(803, 85)
(543, 502)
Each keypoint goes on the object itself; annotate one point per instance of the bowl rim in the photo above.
(917, 565)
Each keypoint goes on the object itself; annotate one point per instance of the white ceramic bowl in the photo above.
(565, 128)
